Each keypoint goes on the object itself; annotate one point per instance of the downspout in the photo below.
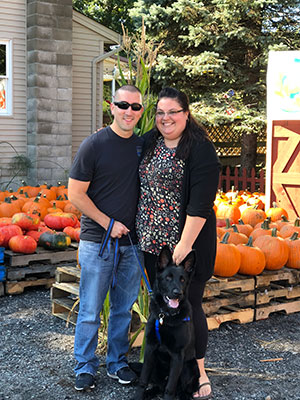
(95, 61)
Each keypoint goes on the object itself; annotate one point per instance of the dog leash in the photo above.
(107, 242)
(141, 267)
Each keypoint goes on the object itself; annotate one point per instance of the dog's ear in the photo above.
(164, 258)
(189, 261)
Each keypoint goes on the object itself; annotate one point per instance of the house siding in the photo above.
(88, 41)
(13, 128)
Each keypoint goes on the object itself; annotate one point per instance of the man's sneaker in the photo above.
(84, 382)
(124, 375)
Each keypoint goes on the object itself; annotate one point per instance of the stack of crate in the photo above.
(65, 293)
(229, 299)
(277, 291)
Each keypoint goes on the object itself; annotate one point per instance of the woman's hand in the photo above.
(180, 252)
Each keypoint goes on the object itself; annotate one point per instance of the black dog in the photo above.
(170, 364)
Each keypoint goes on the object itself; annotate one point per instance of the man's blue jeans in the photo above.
(95, 281)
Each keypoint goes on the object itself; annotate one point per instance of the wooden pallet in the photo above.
(217, 285)
(288, 306)
(34, 270)
(52, 257)
(65, 293)
(17, 287)
(284, 275)
(275, 291)
(239, 300)
(230, 314)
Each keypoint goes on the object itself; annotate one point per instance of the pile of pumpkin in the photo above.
(37, 215)
(250, 238)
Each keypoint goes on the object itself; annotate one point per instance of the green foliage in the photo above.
(141, 54)
(212, 47)
(110, 13)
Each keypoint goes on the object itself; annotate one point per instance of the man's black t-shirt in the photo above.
(110, 163)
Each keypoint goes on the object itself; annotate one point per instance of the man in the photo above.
(104, 185)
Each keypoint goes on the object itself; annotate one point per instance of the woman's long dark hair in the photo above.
(193, 130)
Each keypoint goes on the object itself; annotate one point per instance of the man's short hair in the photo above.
(128, 88)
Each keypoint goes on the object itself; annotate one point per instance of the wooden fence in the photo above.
(241, 181)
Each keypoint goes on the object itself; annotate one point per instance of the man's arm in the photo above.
(77, 193)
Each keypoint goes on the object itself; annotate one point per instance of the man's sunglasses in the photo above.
(124, 105)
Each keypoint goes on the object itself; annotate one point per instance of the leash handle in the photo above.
(141, 267)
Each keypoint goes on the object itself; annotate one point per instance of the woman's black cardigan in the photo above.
(200, 183)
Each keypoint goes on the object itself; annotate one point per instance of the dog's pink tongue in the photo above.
(173, 303)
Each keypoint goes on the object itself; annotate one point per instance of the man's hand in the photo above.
(118, 230)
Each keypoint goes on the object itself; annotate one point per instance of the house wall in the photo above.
(89, 39)
(49, 102)
(13, 128)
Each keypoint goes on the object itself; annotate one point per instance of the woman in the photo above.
(179, 177)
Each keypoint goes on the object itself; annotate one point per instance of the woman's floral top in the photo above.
(158, 208)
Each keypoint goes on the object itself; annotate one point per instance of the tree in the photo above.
(217, 50)
(110, 13)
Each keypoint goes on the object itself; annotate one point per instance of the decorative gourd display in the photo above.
(228, 258)
(275, 249)
(54, 240)
(22, 244)
(252, 259)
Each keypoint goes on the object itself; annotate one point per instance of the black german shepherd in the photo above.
(170, 364)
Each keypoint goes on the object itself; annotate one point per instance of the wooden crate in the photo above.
(217, 285)
(65, 293)
(13, 259)
(277, 291)
(17, 287)
(283, 275)
(288, 306)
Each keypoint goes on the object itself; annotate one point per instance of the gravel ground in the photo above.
(36, 356)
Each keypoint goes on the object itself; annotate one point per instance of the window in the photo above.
(5, 78)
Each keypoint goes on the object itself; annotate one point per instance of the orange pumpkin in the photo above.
(253, 215)
(294, 254)
(252, 259)
(276, 212)
(22, 244)
(235, 236)
(26, 221)
(8, 232)
(275, 249)
(228, 258)
(288, 229)
(60, 220)
(8, 208)
(230, 211)
(244, 228)
(74, 233)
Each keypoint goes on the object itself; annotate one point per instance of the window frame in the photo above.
(8, 78)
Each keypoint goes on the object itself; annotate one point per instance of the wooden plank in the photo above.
(65, 316)
(67, 274)
(242, 316)
(216, 285)
(242, 300)
(17, 273)
(289, 275)
(263, 312)
(52, 257)
(72, 287)
(266, 296)
(17, 287)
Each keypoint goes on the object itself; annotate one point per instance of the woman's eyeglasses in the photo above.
(172, 113)
(124, 105)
